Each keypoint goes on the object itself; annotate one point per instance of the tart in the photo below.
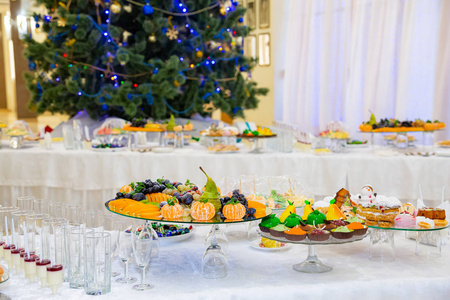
(307, 227)
(384, 224)
(440, 223)
(278, 230)
(371, 223)
(387, 218)
(269, 222)
(358, 228)
(342, 232)
(318, 235)
(295, 234)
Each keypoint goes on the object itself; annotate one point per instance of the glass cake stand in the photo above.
(312, 264)
(214, 262)
(382, 246)
(258, 146)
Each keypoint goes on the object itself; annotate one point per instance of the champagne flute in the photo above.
(125, 250)
(142, 250)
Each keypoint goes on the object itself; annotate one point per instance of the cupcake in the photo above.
(295, 234)
(318, 235)
(358, 228)
(404, 220)
(342, 232)
(269, 222)
(278, 230)
(355, 219)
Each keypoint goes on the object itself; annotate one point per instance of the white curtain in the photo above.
(344, 58)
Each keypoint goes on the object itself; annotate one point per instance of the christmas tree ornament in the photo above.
(172, 33)
(199, 54)
(175, 83)
(115, 7)
(209, 107)
(228, 93)
(147, 9)
(152, 38)
(128, 8)
(222, 11)
(61, 22)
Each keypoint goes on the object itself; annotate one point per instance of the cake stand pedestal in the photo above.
(312, 264)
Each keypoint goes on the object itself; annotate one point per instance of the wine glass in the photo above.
(125, 250)
(214, 262)
(142, 249)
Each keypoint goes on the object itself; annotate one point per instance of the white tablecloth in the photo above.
(254, 274)
(90, 178)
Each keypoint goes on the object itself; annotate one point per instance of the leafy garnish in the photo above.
(354, 209)
(160, 180)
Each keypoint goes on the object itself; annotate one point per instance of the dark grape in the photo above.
(145, 191)
(177, 184)
(165, 181)
(129, 196)
(226, 198)
(139, 197)
(251, 211)
(187, 199)
(119, 195)
(176, 194)
(162, 203)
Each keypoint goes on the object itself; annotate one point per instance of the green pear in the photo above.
(211, 191)
(372, 120)
(171, 123)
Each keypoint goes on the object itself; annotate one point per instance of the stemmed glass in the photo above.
(142, 249)
(125, 250)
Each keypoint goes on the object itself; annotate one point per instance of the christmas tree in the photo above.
(140, 58)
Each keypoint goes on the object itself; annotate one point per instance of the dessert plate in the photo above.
(255, 244)
(163, 149)
(357, 146)
(4, 279)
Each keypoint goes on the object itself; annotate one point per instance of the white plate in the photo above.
(255, 245)
(109, 149)
(163, 149)
(222, 152)
(443, 146)
(177, 238)
(446, 154)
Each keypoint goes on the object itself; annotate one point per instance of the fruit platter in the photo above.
(394, 125)
(260, 132)
(171, 201)
(220, 131)
(139, 124)
(169, 233)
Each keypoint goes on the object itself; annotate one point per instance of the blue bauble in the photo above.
(32, 66)
(52, 66)
(105, 107)
(147, 9)
(74, 27)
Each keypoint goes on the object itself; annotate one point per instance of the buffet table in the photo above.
(90, 178)
(255, 274)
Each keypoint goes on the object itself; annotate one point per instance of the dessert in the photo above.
(307, 227)
(15, 259)
(384, 224)
(341, 196)
(220, 130)
(315, 218)
(422, 221)
(1, 249)
(7, 253)
(278, 230)
(432, 213)
(358, 228)
(342, 232)
(267, 243)
(440, 223)
(404, 220)
(424, 225)
(408, 208)
(354, 219)
(295, 234)
(338, 223)
(260, 131)
(334, 213)
(54, 277)
(30, 267)
(290, 209)
(41, 270)
(307, 210)
(222, 148)
(268, 222)
(23, 255)
(318, 235)
(292, 221)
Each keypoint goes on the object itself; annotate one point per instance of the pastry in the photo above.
(371, 223)
(424, 225)
(407, 207)
(318, 235)
(387, 218)
(307, 210)
(315, 218)
(342, 232)
(295, 234)
(440, 223)
(334, 213)
(292, 221)
(439, 214)
(269, 222)
(384, 224)
(404, 220)
(278, 230)
(355, 219)
(358, 228)
(341, 196)
(307, 227)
